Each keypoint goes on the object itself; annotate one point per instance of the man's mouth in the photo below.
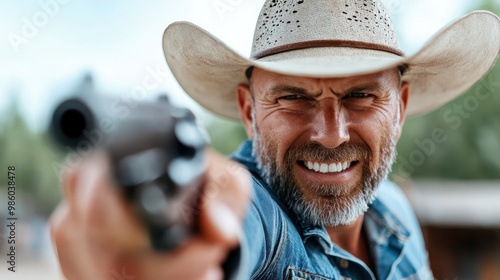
(322, 167)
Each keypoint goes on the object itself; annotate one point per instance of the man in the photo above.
(323, 100)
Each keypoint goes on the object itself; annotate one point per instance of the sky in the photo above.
(46, 46)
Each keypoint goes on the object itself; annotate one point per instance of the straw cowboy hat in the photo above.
(333, 38)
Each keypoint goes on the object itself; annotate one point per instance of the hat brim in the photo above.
(449, 64)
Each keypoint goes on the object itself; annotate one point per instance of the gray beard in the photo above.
(333, 207)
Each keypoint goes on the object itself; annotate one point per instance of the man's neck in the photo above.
(352, 239)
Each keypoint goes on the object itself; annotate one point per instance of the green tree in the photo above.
(37, 184)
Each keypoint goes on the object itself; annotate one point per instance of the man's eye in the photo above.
(291, 97)
(358, 100)
(358, 95)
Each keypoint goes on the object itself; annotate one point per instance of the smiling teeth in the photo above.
(327, 168)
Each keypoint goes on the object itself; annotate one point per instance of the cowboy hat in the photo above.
(333, 38)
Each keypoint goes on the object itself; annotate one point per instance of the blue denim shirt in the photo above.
(278, 246)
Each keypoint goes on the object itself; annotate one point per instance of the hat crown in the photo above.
(282, 24)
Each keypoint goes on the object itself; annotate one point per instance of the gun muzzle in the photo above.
(69, 122)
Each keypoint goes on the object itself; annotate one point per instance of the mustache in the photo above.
(319, 153)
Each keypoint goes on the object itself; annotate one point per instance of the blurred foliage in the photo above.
(225, 135)
(468, 133)
(36, 181)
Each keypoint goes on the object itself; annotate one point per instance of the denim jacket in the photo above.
(278, 246)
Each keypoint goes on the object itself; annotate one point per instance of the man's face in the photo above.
(324, 145)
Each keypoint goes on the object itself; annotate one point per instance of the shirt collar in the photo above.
(383, 219)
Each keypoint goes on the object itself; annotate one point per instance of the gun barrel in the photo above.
(69, 121)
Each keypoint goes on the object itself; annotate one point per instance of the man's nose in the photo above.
(330, 127)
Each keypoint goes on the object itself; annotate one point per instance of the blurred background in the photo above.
(448, 162)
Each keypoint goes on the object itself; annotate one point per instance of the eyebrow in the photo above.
(374, 86)
(276, 90)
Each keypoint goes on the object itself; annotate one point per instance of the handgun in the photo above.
(156, 154)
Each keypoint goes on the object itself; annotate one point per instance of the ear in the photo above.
(245, 105)
(404, 94)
